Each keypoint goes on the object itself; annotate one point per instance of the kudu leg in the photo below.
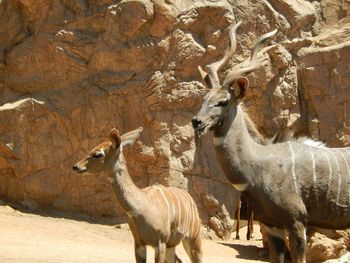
(276, 248)
(139, 247)
(297, 242)
(250, 222)
(170, 256)
(177, 259)
(238, 214)
(140, 253)
(160, 253)
(193, 249)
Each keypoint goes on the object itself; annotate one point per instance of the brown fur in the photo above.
(159, 216)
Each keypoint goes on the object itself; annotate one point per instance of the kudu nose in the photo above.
(196, 122)
(75, 167)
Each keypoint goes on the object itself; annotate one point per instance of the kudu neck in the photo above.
(234, 126)
(234, 146)
(127, 193)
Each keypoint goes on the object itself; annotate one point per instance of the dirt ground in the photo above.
(49, 238)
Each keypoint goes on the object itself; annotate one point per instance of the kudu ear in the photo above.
(115, 138)
(239, 87)
(130, 137)
(205, 77)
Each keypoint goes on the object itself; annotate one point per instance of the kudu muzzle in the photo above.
(196, 122)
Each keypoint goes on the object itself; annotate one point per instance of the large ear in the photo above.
(239, 87)
(205, 77)
(115, 138)
(131, 136)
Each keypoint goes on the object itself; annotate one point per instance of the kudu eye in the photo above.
(222, 103)
(97, 155)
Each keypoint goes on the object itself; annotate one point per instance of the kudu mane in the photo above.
(282, 136)
(253, 129)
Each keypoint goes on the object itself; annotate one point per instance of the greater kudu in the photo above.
(159, 216)
(290, 185)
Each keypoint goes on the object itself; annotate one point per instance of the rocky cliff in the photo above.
(72, 70)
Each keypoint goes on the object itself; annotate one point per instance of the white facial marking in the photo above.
(293, 167)
(240, 187)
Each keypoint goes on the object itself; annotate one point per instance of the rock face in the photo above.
(72, 70)
(324, 245)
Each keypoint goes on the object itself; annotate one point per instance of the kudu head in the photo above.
(104, 156)
(222, 97)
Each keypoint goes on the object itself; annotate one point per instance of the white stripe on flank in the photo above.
(189, 215)
(338, 172)
(186, 218)
(172, 204)
(198, 222)
(179, 209)
(313, 165)
(314, 175)
(195, 229)
(192, 217)
(293, 167)
(348, 168)
(166, 201)
(330, 169)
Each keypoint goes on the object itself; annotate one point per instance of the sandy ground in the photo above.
(26, 237)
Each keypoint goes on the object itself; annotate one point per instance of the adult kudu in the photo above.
(290, 185)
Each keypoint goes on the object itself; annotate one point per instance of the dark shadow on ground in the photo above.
(250, 252)
(49, 212)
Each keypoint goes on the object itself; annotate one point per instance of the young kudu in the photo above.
(158, 216)
(290, 185)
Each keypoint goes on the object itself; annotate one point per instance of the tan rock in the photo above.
(321, 248)
(343, 259)
(299, 13)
